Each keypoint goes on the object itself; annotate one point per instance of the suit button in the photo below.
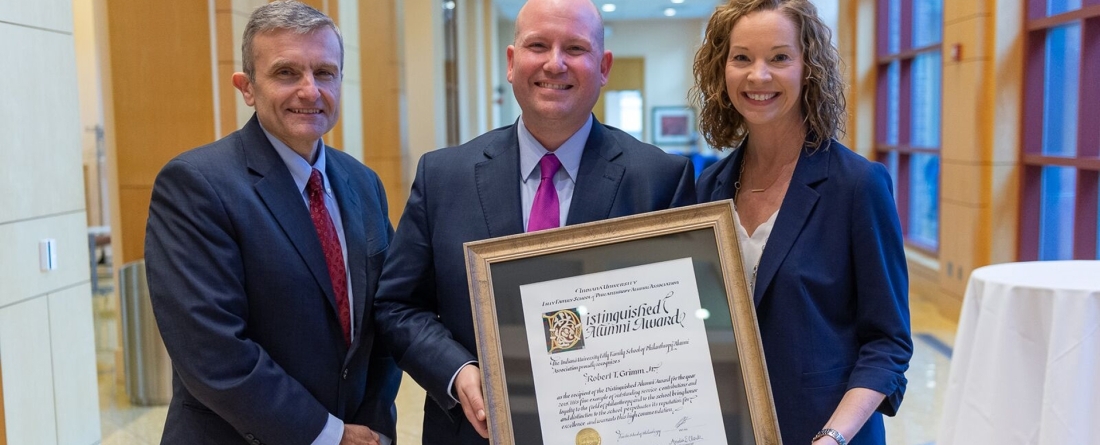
(255, 441)
(345, 373)
(249, 436)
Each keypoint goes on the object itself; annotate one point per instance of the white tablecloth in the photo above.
(1026, 366)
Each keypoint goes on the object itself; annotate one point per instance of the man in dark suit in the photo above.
(263, 252)
(556, 165)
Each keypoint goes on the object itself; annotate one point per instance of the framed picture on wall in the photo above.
(673, 125)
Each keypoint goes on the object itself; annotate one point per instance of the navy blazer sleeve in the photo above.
(685, 189)
(422, 346)
(378, 411)
(194, 268)
(882, 312)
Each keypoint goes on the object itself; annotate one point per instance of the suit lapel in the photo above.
(281, 196)
(727, 176)
(497, 185)
(352, 217)
(797, 206)
(598, 178)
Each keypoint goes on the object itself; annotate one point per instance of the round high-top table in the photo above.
(1026, 366)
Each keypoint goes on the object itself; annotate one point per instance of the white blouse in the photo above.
(752, 247)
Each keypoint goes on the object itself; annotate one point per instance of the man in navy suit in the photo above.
(496, 185)
(263, 252)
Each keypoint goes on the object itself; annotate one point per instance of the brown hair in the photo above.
(822, 101)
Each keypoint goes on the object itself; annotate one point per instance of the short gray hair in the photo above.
(287, 15)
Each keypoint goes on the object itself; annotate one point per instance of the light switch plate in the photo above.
(47, 254)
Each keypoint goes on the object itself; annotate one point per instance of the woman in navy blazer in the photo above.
(818, 229)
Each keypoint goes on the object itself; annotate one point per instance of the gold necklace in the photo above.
(769, 185)
(741, 175)
(737, 184)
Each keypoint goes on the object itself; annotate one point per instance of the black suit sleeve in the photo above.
(378, 411)
(406, 306)
(685, 189)
(195, 270)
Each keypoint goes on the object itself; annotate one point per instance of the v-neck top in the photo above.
(752, 247)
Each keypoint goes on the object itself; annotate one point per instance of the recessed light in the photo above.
(669, 12)
(608, 7)
(677, 1)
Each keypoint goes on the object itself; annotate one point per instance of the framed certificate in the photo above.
(635, 330)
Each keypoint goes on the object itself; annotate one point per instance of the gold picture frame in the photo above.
(498, 268)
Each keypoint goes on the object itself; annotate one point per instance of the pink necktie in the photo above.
(330, 245)
(545, 211)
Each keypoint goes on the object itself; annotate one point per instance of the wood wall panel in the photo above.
(956, 10)
(162, 98)
(964, 245)
(162, 86)
(39, 125)
(965, 182)
(964, 112)
(134, 203)
(380, 88)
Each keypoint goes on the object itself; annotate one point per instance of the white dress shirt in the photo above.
(300, 170)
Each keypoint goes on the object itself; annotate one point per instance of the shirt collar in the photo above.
(299, 168)
(531, 151)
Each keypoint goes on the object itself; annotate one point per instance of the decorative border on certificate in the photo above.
(635, 330)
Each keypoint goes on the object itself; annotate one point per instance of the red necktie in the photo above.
(545, 210)
(330, 244)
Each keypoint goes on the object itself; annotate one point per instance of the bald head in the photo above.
(557, 67)
(583, 11)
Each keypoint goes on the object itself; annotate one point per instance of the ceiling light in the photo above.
(669, 12)
(448, 5)
(677, 1)
(608, 7)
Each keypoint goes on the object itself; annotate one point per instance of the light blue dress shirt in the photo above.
(531, 152)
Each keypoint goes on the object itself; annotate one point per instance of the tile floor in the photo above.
(916, 424)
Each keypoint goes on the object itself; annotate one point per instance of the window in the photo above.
(623, 110)
(907, 130)
(1061, 131)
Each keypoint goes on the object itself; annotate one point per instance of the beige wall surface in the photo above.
(45, 316)
(668, 48)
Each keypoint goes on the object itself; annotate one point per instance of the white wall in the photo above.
(509, 108)
(668, 46)
(351, 100)
(829, 11)
(47, 349)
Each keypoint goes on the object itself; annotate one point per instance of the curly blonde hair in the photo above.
(822, 102)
